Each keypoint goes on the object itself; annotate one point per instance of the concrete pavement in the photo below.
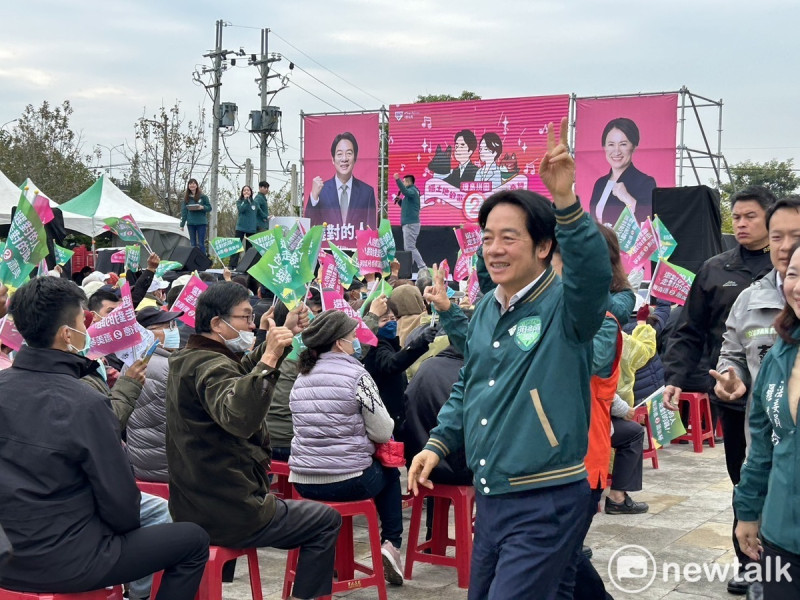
(689, 522)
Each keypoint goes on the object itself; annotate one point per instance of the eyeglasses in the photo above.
(250, 318)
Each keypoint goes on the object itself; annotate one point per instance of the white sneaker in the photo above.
(392, 564)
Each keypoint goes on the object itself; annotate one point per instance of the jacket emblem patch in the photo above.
(730, 284)
(528, 333)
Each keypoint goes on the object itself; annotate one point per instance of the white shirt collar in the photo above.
(515, 298)
(779, 283)
(340, 183)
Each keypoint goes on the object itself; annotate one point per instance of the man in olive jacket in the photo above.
(521, 406)
(218, 449)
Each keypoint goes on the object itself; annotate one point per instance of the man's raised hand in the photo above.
(729, 386)
(557, 169)
(436, 294)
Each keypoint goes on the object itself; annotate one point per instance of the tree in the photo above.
(167, 152)
(43, 146)
(465, 95)
(777, 176)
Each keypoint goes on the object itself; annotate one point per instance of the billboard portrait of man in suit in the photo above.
(464, 145)
(343, 201)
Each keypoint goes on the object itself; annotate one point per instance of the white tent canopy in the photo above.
(85, 212)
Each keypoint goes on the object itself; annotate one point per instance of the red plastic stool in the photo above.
(642, 415)
(462, 497)
(211, 584)
(281, 487)
(154, 488)
(700, 427)
(114, 593)
(345, 563)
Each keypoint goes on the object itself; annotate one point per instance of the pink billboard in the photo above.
(624, 148)
(462, 152)
(340, 163)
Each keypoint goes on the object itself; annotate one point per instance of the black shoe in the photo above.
(738, 585)
(587, 552)
(628, 507)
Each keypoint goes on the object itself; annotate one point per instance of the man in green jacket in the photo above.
(521, 406)
(263, 207)
(218, 450)
(409, 216)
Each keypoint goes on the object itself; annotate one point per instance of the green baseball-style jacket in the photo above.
(521, 406)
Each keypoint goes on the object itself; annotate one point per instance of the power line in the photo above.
(296, 66)
(326, 68)
(317, 97)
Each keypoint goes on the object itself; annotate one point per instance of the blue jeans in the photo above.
(378, 482)
(197, 236)
(525, 540)
(152, 511)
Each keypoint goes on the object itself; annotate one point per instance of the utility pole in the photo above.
(248, 172)
(264, 132)
(216, 70)
(166, 168)
(295, 200)
(262, 165)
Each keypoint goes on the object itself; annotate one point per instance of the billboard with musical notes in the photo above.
(462, 152)
(340, 174)
(624, 148)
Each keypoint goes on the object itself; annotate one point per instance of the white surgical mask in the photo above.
(87, 343)
(172, 338)
(241, 344)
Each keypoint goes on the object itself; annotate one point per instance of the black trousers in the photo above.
(733, 424)
(179, 549)
(311, 526)
(234, 261)
(627, 441)
(782, 589)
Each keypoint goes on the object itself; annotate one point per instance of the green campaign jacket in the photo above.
(195, 217)
(770, 485)
(521, 406)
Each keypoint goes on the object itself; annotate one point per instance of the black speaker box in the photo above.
(692, 216)
(404, 258)
(248, 259)
(104, 264)
(191, 258)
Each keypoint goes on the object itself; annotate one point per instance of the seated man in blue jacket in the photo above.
(521, 406)
(68, 500)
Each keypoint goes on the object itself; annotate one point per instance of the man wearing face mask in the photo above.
(388, 361)
(147, 427)
(68, 500)
(219, 390)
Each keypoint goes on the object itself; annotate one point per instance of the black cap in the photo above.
(152, 316)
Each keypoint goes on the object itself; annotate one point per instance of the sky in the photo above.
(119, 60)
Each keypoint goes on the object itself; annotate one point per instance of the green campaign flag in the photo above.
(627, 230)
(309, 253)
(226, 246)
(279, 276)
(665, 423)
(666, 242)
(63, 255)
(25, 247)
(167, 265)
(386, 240)
(264, 240)
(133, 257)
(381, 288)
(294, 237)
(344, 264)
(125, 228)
